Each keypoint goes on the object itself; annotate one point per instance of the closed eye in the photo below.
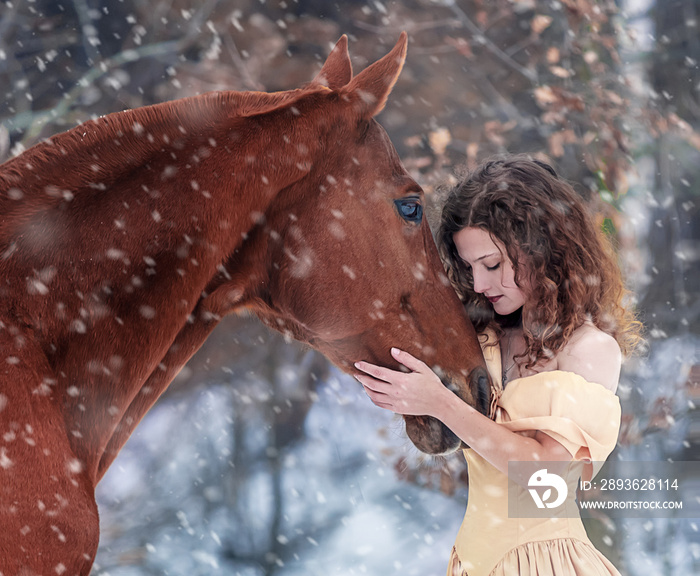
(494, 267)
(410, 209)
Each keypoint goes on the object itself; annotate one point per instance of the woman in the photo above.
(543, 289)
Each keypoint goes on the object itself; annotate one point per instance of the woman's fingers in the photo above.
(409, 361)
(398, 391)
(371, 383)
(373, 389)
(381, 373)
(381, 400)
(378, 372)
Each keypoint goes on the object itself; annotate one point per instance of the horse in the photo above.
(125, 240)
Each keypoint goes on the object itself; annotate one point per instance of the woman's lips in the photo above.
(494, 299)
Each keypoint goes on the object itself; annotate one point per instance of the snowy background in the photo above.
(261, 459)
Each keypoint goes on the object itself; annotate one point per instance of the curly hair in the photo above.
(548, 234)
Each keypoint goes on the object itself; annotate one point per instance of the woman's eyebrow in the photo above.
(487, 255)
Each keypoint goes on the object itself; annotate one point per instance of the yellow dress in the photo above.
(585, 418)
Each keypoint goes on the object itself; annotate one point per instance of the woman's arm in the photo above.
(421, 393)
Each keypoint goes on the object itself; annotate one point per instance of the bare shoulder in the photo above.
(592, 354)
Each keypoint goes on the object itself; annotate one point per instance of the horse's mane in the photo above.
(96, 150)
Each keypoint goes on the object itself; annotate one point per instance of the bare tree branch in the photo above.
(479, 35)
(34, 121)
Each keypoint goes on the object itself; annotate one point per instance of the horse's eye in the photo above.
(410, 209)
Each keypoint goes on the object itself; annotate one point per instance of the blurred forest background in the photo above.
(261, 458)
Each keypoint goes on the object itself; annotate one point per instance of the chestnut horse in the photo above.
(125, 240)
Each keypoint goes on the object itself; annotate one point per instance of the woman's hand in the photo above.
(417, 393)
(421, 393)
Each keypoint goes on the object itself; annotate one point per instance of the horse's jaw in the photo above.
(431, 436)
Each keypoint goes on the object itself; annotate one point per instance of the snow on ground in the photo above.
(344, 510)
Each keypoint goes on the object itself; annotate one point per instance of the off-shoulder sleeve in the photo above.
(582, 416)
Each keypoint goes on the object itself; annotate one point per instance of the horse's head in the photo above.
(352, 268)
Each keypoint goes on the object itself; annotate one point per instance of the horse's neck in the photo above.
(184, 165)
(103, 149)
(111, 233)
(181, 183)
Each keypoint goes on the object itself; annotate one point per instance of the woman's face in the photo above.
(492, 270)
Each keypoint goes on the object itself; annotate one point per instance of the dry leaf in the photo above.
(553, 55)
(545, 95)
(557, 141)
(590, 57)
(614, 98)
(462, 46)
(540, 23)
(412, 141)
(560, 72)
(588, 137)
(494, 129)
(418, 163)
(439, 140)
(553, 117)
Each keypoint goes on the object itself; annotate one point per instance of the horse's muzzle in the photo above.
(431, 436)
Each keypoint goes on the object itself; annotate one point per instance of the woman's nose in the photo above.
(480, 284)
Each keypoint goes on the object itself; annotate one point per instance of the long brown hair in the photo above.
(548, 233)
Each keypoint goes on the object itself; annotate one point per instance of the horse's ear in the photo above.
(337, 70)
(370, 89)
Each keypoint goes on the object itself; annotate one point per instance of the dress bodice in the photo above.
(582, 416)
